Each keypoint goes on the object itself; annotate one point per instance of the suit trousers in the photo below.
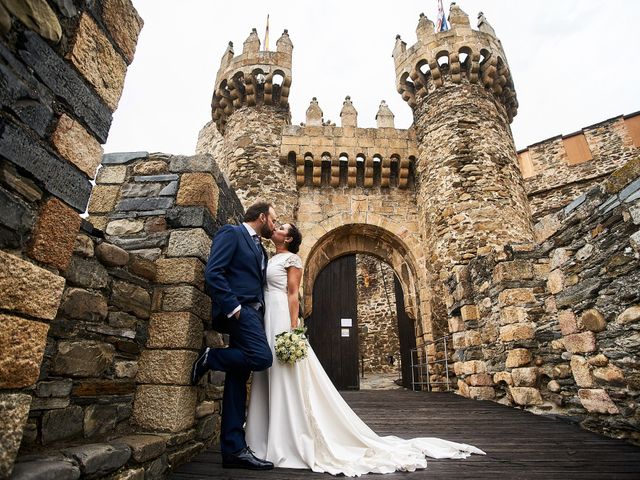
(248, 351)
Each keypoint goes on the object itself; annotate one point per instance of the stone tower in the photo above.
(250, 107)
(470, 191)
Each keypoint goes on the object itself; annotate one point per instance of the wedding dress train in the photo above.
(297, 418)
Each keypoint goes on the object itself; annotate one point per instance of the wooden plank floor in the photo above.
(518, 444)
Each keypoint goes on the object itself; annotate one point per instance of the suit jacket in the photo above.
(234, 274)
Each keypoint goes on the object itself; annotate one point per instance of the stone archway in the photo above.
(383, 239)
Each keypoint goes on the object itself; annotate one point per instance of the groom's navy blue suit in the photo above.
(235, 276)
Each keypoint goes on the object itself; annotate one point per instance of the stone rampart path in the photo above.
(519, 444)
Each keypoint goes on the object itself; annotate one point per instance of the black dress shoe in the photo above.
(245, 459)
(199, 367)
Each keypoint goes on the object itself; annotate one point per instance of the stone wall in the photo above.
(86, 385)
(62, 71)
(114, 394)
(554, 327)
(377, 317)
(552, 179)
(167, 209)
(251, 158)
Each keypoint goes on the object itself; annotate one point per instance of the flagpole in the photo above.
(266, 35)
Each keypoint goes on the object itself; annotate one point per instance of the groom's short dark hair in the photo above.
(254, 211)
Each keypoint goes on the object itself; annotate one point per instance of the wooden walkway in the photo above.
(519, 444)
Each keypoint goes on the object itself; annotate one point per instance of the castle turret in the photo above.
(470, 190)
(250, 107)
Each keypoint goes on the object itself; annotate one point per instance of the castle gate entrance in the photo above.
(336, 332)
(335, 289)
(333, 326)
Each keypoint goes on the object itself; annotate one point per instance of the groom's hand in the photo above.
(237, 314)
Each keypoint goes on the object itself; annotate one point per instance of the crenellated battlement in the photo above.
(255, 77)
(350, 156)
(326, 155)
(456, 56)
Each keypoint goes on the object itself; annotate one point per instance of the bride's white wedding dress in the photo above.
(297, 419)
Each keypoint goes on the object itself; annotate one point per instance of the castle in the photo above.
(520, 269)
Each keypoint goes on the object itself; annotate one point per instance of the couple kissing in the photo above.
(295, 417)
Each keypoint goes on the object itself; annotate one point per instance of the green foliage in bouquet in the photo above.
(292, 345)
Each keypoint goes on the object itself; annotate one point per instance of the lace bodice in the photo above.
(277, 271)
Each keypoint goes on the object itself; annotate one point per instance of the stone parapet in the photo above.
(132, 317)
(164, 210)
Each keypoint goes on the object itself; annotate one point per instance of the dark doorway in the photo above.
(333, 325)
(406, 335)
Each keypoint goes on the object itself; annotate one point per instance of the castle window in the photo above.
(443, 60)
(394, 170)
(633, 127)
(577, 149)
(308, 168)
(464, 57)
(278, 79)
(484, 56)
(407, 84)
(423, 71)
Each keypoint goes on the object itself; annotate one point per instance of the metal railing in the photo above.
(420, 368)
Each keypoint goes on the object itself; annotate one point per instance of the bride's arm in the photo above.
(294, 275)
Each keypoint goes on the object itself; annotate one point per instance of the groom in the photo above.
(234, 277)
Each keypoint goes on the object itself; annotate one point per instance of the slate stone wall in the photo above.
(113, 395)
(62, 69)
(554, 327)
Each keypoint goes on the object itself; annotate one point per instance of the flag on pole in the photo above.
(442, 25)
(266, 35)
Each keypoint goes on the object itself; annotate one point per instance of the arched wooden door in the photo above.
(333, 326)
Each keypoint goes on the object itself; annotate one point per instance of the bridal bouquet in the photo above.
(291, 346)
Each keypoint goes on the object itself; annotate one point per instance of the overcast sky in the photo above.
(574, 62)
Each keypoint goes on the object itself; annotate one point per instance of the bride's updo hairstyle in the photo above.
(294, 245)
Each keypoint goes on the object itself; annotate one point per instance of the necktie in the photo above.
(256, 240)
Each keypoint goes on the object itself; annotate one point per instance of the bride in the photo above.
(296, 417)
